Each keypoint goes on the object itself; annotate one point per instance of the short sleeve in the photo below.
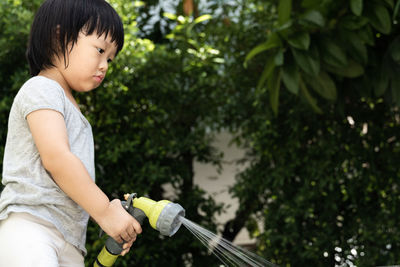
(40, 93)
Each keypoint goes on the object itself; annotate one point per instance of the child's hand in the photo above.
(119, 224)
(126, 247)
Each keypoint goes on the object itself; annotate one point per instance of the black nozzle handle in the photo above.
(113, 246)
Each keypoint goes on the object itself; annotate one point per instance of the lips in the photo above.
(99, 78)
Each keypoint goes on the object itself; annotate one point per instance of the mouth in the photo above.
(98, 78)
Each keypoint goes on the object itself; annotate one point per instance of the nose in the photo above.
(104, 65)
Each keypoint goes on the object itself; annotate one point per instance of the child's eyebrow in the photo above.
(108, 42)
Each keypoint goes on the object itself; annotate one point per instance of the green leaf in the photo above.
(380, 19)
(367, 36)
(169, 16)
(323, 85)
(352, 70)
(291, 78)
(356, 7)
(257, 50)
(309, 4)
(311, 100)
(274, 87)
(284, 10)
(272, 42)
(357, 49)
(284, 27)
(332, 54)
(352, 22)
(395, 50)
(268, 69)
(313, 18)
(396, 10)
(279, 58)
(300, 40)
(307, 61)
(395, 85)
(380, 80)
(202, 18)
(196, 21)
(389, 3)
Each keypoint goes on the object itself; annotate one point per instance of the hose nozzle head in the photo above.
(163, 215)
(169, 222)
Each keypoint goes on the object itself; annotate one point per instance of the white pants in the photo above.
(28, 241)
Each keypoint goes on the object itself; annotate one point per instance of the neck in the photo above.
(54, 74)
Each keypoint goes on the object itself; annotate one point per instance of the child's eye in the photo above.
(101, 51)
(109, 60)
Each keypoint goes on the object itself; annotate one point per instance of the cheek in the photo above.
(82, 62)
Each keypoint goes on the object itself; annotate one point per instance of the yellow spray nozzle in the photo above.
(163, 215)
(151, 208)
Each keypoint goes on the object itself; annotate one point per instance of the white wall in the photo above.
(216, 184)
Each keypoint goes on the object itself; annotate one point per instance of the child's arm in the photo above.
(50, 136)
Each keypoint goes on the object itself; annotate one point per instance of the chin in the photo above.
(90, 88)
(83, 90)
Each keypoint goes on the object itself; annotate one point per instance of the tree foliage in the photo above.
(318, 45)
(320, 180)
(325, 186)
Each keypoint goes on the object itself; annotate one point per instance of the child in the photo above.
(48, 167)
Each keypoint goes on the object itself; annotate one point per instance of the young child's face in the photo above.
(88, 61)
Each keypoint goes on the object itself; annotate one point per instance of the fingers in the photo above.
(131, 231)
(137, 227)
(125, 237)
(125, 251)
(118, 239)
(126, 247)
(129, 235)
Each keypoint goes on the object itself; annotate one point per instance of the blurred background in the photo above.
(273, 123)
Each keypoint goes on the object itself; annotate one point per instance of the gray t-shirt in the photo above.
(28, 186)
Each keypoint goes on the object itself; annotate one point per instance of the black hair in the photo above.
(58, 23)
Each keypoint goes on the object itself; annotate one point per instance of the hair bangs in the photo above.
(101, 21)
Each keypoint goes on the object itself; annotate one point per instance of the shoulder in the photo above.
(40, 93)
(41, 85)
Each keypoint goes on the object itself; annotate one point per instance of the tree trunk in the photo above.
(233, 227)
